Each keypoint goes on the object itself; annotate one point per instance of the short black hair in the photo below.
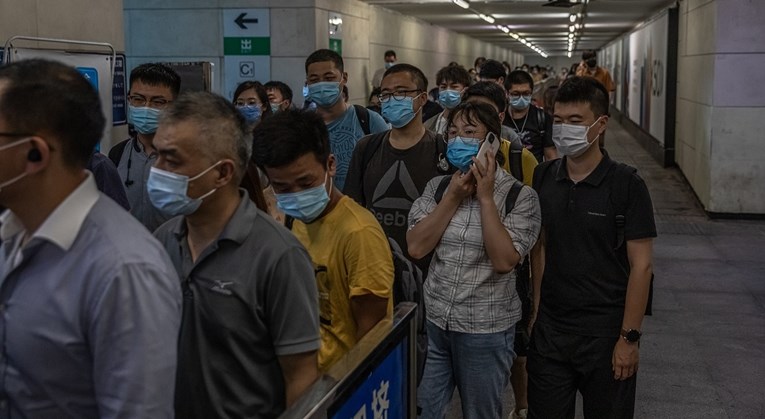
(453, 74)
(489, 90)
(584, 90)
(479, 61)
(286, 136)
(157, 74)
(390, 53)
(321, 55)
(586, 55)
(260, 90)
(281, 87)
(222, 130)
(479, 112)
(519, 77)
(492, 69)
(48, 98)
(415, 73)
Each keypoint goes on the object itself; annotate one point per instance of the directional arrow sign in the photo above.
(241, 20)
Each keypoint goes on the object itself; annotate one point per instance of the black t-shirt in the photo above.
(392, 181)
(535, 134)
(584, 285)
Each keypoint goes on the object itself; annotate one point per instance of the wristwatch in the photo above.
(631, 336)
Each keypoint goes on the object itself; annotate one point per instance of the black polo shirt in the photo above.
(585, 279)
(249, 298)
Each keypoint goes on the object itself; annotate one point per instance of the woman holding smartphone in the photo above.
(471, 303)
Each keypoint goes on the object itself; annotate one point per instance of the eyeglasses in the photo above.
(246, 102)
(517, 95)
(398, 95)
(465, 133)
(155, 102)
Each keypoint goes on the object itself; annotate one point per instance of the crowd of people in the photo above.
(240, 247)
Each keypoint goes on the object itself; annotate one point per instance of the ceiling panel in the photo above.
(545, 27)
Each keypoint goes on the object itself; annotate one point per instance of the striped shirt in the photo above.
(463, 293)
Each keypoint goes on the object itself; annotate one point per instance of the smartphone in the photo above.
(489, 146)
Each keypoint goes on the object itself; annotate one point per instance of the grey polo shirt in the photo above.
(90, 310)
(250, 297)
(134, 167)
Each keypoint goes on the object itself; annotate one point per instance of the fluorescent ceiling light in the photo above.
(569, 54)
(503, 28)
(489, 19)
(514, 35)
(572, 18)
(461, 3)
(571, 28)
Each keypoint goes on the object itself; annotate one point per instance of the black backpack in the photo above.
(619, 201)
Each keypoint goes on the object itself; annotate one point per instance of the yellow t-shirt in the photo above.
(351, 257)
(528, 161)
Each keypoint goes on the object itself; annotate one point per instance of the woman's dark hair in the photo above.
(476, 113)
(260, 91)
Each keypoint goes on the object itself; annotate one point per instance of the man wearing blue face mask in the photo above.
(325, 78)
(351, 256)
(452, 81)
(530, 122)
(390, 61)
(153, 87)
(389, 170)
(591, 268)
(249, 331)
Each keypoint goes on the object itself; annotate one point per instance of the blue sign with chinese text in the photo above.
(382, 395)
(119, 92)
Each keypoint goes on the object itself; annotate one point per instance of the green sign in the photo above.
(336, 45)
(247, 46)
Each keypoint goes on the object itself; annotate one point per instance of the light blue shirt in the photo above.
(90, 309)
(344, 133)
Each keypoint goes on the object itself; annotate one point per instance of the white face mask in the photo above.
(13, 180)
(571, 140)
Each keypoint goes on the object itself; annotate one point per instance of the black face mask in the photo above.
(592, 63)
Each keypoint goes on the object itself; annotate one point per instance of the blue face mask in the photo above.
(306, 205)
(399, 112)
(522, 102)
(275, 107)
(167, 192)
(324, 93)
(143, 119)
(460, 152)
(449, 99)
(251, 113)
(389, 65)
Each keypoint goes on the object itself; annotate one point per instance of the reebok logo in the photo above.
(394, 195)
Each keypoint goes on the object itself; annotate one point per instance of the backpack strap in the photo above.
(515, 158)
(370, 148)
(362, 114)
(618, 196)
(442, 185)
(288, 222)
(542, 119)
(115, 154)
(512, 197)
